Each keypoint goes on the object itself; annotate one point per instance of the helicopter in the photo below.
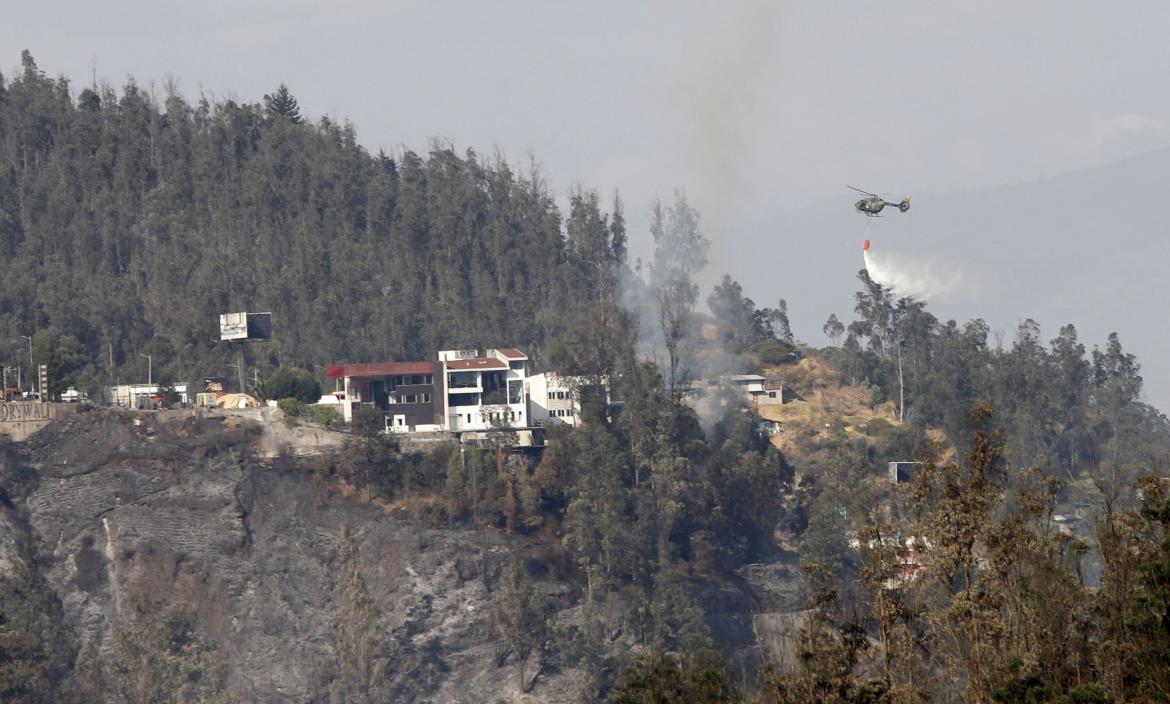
(872, 204)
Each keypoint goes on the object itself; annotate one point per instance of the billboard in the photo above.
(259, 326)
(233, 326)
(245, 326)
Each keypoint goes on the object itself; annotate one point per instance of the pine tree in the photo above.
(282, 104)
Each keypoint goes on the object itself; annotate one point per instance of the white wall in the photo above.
(554, 399)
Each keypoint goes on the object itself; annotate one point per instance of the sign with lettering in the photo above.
(20, 419)
(24, 410)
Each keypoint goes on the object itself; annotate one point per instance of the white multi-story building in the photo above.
(484, 392)
(554, 399)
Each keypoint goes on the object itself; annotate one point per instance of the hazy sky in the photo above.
(753, 108)
(742, 103)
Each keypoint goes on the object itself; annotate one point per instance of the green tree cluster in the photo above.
(290, 382)
(36, 645)
(130, 219)
(1074, 412)
(974, 597)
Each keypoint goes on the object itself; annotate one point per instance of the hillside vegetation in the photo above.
(129, 220)
(820, 406)
(645, 535)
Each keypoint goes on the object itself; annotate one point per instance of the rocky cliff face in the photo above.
(123, 509)
(184, 555)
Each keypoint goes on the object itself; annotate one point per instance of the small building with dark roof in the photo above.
(461, 391)
(409, 394)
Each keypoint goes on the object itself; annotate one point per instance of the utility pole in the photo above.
(149, 370)
(240, 373)
(30, 359)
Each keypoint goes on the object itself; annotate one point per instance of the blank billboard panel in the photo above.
(259, 326)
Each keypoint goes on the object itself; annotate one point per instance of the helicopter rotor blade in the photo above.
(860, 191)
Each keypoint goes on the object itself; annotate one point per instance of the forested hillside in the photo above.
(129, 220)
(1064, 405)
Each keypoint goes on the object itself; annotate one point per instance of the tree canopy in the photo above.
(131, 218)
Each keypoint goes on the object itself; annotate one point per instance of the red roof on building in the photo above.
(512, 353)
(378, 369)
(477, 363)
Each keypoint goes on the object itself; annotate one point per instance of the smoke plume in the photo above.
(909, 276)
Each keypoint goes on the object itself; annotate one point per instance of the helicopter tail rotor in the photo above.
(905, 204)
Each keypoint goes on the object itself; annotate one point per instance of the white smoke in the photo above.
(910, 276)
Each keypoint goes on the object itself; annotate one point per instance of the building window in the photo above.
(397, 381)
(771, 394)
(424, 398)
(416, 379)
(463, 380)
(410, 398)
(430, 379)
